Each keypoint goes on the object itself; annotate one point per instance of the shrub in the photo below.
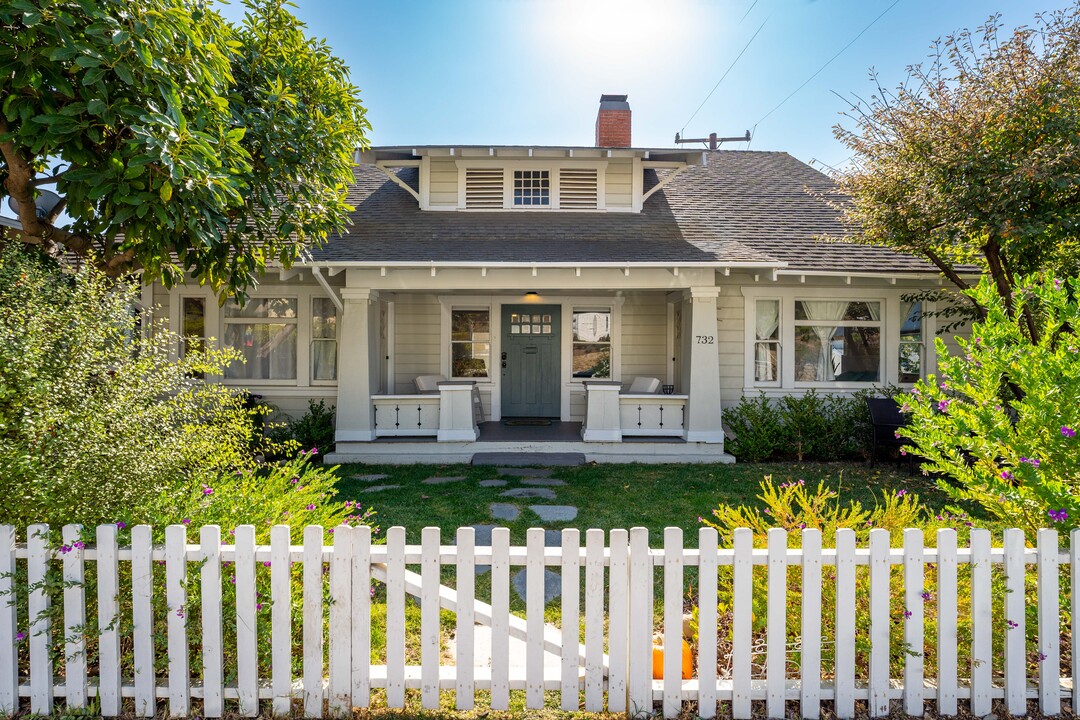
(314, 429)
(1002, 422)
(756, 428)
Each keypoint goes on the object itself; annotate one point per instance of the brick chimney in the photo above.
(613, 122)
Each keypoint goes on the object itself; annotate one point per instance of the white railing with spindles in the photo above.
(618, 618)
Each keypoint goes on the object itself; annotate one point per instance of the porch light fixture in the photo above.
(532, 295)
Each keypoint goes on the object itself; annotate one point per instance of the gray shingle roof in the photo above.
(741, 207)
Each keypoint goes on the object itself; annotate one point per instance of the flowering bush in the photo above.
(1001, 419)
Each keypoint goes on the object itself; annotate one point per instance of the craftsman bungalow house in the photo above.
(609, 300)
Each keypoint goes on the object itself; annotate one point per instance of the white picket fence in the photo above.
(615, 661)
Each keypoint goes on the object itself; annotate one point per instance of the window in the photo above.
(470, 343)
(592, 344)
(323, 339)
(532, 188)
(767, 342)
(837, 341)
(263, 331)
(911, 342)
(192, 324)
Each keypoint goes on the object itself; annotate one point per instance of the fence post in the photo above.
(1015, 629)
(810, 702)
(844, 647)
(341, 614)
(176, 599)
(914, 584)
(9, 627)
(108, 577)
(534, 619)
(707, 580)
(500, 619)
(142, 613)
(673, 639)
(1049, 618)
(776, 632)
(247, 659)
(946, 622)
(281, 619)
(429, 618)
(395, 617)
(880, 594)
(742, 621)
(981, 631)
(40, 625)
(594, 620)
(465, 662)
(618, 621)
(361, 621)
(75, 684)
(213, 673)
(313, 621)
(1074, 588)
(641, 624)
(571, 581)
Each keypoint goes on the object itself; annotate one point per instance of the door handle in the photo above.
(504, 364)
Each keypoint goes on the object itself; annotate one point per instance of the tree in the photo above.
(180, 143)
(974, 159)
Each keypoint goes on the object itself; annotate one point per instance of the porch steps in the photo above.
(525, 459)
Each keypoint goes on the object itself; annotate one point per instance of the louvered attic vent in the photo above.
(484, 188)
(577, 189)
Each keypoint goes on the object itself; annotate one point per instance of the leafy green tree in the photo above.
(1019, 458)
(179, 142)
(973, 160)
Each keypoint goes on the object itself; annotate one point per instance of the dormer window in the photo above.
(532, 188)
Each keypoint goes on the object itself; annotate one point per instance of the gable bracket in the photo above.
(398, 181)
(674, 174)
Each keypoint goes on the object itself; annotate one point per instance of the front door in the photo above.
(530, 360)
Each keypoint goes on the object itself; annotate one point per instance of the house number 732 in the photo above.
(705, 339)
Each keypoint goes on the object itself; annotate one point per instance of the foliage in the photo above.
(314, 430)
(180, 142)
(972, 159)
(796, 506)
(807, 427)
(96, 419)
(1019, 458)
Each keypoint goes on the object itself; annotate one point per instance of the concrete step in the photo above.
(524, 459)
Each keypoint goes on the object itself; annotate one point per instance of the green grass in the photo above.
(611, 496)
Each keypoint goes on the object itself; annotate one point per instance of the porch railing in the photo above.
(611, 414)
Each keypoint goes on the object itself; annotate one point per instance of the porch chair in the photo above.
(644, 385)
(429, 385)
(886, 418)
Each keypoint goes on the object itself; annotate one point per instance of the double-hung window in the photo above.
(264, 331)
(470, 343)
(837, 341)
(911, 342)
(324, 344)
(592, 344)
(767, 341)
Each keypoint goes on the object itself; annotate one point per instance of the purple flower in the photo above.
(943, 405)
(901, 493)
(314, 451)
(186, 521)
(266, 564)
(1068, 431)
(207, 490)
(905, 408)
(1058, 515)
(65, 549)
(926, 597)
(295, 480)
(1034, 462)
(907, 614)
(310, 506)
(1057, 283)
(180, 612)
(120, 524)
(20, 636)
(1006, 475)
(258, 606)
(1011, 624)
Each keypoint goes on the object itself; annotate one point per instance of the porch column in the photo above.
(702, 372)
(357, 335)
(602, 412)
(457, 419)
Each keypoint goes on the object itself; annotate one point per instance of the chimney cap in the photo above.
(614, 102)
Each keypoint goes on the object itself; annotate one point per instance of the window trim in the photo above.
(554, 168)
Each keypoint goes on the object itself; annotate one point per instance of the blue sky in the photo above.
(532, 71)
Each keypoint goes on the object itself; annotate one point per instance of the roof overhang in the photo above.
(407, 154)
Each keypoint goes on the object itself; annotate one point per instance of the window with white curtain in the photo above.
(911, 342)
(323, 340)
(263, 330)
(767, 341)
(837, 341)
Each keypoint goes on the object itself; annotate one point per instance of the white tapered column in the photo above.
(703, 384)
(356, 367)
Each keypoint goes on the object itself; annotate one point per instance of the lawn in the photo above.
(609, 496)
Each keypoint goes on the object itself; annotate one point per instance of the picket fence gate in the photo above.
(343, 677)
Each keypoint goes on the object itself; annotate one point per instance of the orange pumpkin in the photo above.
(658, 662)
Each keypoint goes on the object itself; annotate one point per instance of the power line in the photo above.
(752, 6)
(726, 74)
(829, 62)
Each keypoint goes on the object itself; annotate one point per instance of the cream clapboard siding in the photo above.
(443, 182)
(730, 307)
(644, 337)
(162, 301)
(619, 183)
(417, 330)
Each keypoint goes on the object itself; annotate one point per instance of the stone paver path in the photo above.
(543, 482)
(380, 488)
(555, 513)
(540, 493)
(504, 511)
(552, 584)
(493, 483)
(526, 472)
(442, 480)
(368, 478)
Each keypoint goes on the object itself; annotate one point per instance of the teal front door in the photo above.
(530, 360)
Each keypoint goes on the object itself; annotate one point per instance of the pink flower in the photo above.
(1006, 475)
(943, 405)
(207, 490)
(310, 506)
(901, 493)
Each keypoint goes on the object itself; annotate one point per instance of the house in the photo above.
(528, 285)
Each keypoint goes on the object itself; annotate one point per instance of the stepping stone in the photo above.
(492, 483)
(555, 513)
(504, 511)
(543, 482)
(368, 478)
(526, 472)
(442, 480)
(552, 584)
(380, 488)
(542, 493)
(553, 538)
(525, 459)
